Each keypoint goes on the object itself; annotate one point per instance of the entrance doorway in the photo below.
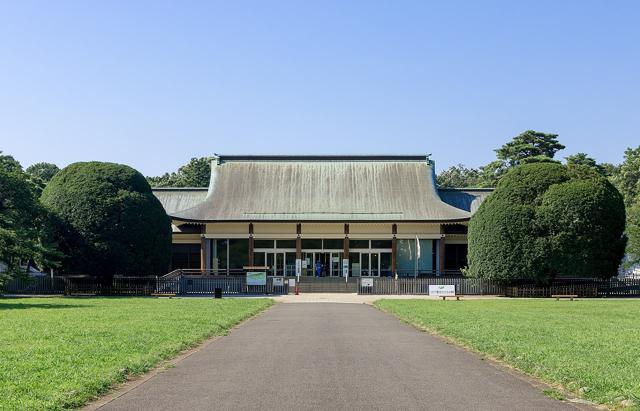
(326, 264)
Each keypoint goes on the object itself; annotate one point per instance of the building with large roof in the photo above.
(361, 216)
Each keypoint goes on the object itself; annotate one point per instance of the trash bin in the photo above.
(217, 293)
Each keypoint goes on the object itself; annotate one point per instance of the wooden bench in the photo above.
(168, 295)
(569, 296)
(444, 297)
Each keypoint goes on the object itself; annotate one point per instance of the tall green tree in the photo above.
(9, 164)
(109, 221)
(527, 147)
(633, 232)
(582, 159)
(196, 173)
(22, 223)
(627, 178)
(530, 146)
(43, 171)
(459, 176)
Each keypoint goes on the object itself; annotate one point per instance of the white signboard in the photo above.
(256, 278)
(442, 290)
(292, 282)
(345, 267)
(305, 264)
(366, 282)
(298, 267)
(336, 259)
(278, 281)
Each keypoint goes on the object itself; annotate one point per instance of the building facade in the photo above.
(327, 216)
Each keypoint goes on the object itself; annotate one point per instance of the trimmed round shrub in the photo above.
(110, 221)
(583, 222)
(544, 220)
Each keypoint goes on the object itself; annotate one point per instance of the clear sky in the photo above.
(152, 84)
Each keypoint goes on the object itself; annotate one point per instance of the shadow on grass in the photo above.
(6, 305)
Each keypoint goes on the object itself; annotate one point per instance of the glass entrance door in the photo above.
(370, 264)
(275, 262)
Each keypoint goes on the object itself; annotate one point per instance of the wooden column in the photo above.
(394, 249)
(203, 250)
(346, 242)
(251, 244)
(441, 248)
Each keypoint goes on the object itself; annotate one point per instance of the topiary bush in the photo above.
(109, 221)
(545, 219)
(583, 222)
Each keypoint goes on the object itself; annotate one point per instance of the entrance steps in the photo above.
(327, 285)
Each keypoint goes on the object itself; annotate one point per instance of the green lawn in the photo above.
(57, 353)
(589, 347)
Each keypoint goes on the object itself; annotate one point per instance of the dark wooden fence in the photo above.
(236, 285)
(417, 286)
(35, 285)
(614, 287)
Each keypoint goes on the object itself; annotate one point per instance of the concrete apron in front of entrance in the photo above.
(357, 298)
(332, 357)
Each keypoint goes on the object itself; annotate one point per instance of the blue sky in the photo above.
(152, 84)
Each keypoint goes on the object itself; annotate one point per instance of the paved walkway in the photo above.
(332, 357)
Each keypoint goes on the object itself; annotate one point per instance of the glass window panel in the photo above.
(354, 264)
(185, 256)
(238, 253)
(406, 262)
(259, 259)
(290, 266)
(311, 244)
(385, 265)
(380, 243)
(334, 244)
(220, 255)
(263, 244)
(426, 260)
(279, 264)
(285, 243)
(358, 243)
(364, 264)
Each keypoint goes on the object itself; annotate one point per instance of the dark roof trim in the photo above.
(450, 221)
(224, 158)
(484, 189)
(179, 188)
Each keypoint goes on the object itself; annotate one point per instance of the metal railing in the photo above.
(420, 286)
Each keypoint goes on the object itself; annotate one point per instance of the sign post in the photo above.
(256, 278)
(298, 272)
(442, 290)
(345, 269)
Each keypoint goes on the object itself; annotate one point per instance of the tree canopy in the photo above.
(528, 147)
(547, 219)
(582, 159)
(22, 222)
(196, 173)
(109, 221)
(459, 176)
(633, 231)
(627, 179)
(43, 171)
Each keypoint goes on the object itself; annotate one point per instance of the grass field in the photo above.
(57, 353)
(589, 347)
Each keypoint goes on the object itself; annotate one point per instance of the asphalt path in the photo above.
(324, 356)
